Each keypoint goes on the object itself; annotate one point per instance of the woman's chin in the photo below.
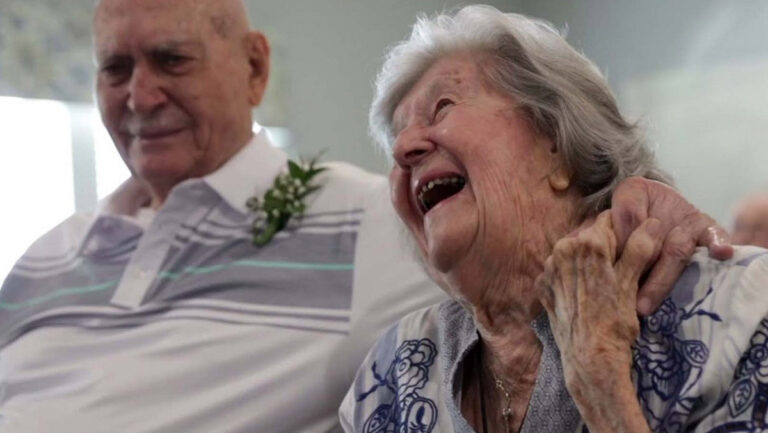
(444, 254)
(448, 237)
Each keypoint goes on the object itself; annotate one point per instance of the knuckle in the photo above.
(543, 281)
(594, 245)
(641, 247)
(549, 266)
(563, 249)
(679, 245)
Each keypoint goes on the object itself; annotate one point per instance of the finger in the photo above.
(717, 241)
(643, 247)
(705, 232)
(563, 281)
(586, 224)
(629, 204)
(675, 253)
(598, 232)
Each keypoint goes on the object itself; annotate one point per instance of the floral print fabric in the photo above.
(700, 363)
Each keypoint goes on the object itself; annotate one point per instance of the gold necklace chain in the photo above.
(506, 411)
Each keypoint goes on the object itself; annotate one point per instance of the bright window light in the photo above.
(110, 168)
(36, 182)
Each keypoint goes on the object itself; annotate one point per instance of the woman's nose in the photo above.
(411, 146)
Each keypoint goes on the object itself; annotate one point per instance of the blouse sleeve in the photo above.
(701, 361)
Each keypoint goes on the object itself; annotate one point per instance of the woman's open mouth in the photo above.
(438, 189)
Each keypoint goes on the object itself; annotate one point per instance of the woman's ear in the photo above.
(559, 176)
(559, 179)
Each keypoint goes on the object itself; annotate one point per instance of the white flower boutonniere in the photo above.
(284, 200)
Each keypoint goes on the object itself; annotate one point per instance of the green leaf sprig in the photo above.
(284, 200)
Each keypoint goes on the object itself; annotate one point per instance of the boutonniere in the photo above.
(284, 200)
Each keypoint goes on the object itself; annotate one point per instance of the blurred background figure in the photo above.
(750, 221)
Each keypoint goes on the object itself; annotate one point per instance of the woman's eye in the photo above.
(442, 105)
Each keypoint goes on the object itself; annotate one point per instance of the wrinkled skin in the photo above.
(590, 299)
(487, 244)
(684, 228)
(175, 85)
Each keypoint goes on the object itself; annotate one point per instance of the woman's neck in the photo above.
(499, 379)
(511, 352)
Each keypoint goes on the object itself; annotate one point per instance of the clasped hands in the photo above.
(592, 288)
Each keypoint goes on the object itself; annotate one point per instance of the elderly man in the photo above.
(750, 226)
(158, 313)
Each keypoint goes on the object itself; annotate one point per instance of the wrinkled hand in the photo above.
(590, 299)
(683, 227)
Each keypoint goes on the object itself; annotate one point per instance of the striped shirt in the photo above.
(178, 323)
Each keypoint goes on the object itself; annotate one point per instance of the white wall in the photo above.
(696, 73)
(326, 54)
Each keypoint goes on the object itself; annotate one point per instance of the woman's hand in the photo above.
(590, 299)
(684, 228)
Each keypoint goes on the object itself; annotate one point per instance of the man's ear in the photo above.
(257, 50)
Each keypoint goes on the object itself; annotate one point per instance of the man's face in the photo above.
(174, 93)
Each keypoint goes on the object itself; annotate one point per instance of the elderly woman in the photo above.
(505, 142)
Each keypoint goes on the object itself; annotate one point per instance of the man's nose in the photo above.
(145, 91)
(411, 146)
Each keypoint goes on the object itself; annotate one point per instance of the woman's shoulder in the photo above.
(425, 328)
(689, 352)
(729, 294)
(402, 382)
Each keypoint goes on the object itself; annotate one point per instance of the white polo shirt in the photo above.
(180, 324)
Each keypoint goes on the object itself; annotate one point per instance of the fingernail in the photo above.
(717, 237)
(644, 306)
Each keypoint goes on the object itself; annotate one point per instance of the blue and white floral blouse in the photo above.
(700, 362)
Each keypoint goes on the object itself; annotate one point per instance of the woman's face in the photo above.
(472, 179)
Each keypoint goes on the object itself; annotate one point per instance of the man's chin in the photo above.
(161, 170)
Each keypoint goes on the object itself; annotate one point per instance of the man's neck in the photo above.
(160, 188)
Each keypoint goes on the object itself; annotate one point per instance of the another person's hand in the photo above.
(682, 225)
(590, 299)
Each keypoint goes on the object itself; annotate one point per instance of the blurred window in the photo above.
(56, 158)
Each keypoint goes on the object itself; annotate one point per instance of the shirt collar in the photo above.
(248, 173)
(126, 200)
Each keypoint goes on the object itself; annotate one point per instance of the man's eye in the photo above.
(115, 71)
(441, 105)
(172, 60)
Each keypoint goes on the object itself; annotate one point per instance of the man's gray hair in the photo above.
(563, 93)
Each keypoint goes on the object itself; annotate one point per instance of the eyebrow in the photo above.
(105, 55)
